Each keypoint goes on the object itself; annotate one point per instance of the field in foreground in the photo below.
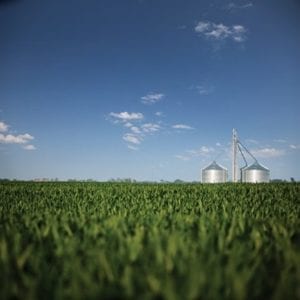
(149, 241)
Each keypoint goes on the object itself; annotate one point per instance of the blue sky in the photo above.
(147, 89)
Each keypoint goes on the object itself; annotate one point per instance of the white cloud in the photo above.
(6, 137)
(15, 139)
(267, 152)
(150, 127)
(182, 157)
(132, 138)
(238, 28)
(250, 4)
(204, 90)
(29, 147)
(126, 117)
(220, 31)
(3, 127)
(218, 144)
(251, 141)
(152, 98)
(135, 129)
(132, 147)
(205, 150)
(202, 151)
(295, 147)
(158, 113)
(138, 134)
(238, 38)
(202, 26)
(282, 141)
(233, 6)
(128, 124)
(182, 126)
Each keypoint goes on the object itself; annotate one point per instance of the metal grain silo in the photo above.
(255, 173)
(214, 173)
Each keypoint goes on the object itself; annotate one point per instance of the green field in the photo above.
(149, 241)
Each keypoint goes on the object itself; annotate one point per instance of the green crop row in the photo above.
(149, 241)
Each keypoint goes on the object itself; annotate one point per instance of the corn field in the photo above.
(149, 241)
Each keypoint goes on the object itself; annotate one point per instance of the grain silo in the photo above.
(249, 173)
(214, 173)
(255, 173)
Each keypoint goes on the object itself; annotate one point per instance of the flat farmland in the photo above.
(149, 241)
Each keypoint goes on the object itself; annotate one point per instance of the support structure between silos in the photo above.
(234, 156)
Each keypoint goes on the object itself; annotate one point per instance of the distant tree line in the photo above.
(127, 180)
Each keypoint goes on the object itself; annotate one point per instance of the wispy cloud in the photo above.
(15, 139)
(267, 152)
(135, 129)
(8, 137)
(159, 114)
(182, 126)
(234, 6)
(29, 147)
(204, 90)
(295, 147)
(131, 147)
(128, 124)
(251, 141)
(281, 141)
(132, 138)
(152, 98)
(139, 133)
(182, 157)
(150, 127)
(203, 151)
(126, 116)
(219, 32)
(3, 127)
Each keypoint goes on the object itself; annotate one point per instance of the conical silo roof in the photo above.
(214, 166)
(256, 166)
